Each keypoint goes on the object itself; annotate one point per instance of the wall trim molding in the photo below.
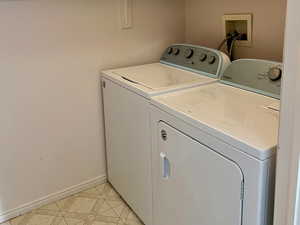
(51, 198)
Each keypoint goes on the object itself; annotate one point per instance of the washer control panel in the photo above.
(257, 75)
(196, 58)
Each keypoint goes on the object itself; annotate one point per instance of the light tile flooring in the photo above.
(100, 205)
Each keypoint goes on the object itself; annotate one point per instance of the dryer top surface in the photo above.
(246, 120)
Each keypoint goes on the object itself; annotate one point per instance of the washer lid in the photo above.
(156, 78)
(246, 120)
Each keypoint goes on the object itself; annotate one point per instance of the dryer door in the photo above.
(194, 185)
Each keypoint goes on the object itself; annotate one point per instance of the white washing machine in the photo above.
(126, 94)
(214, 149)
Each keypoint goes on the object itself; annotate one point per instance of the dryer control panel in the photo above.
(196, 58)
(260, 76)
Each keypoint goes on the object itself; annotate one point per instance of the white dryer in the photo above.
(126, 94)
(214, 149)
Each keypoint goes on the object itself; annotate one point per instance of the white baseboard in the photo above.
(51, 198)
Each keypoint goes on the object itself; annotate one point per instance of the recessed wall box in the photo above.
(241, 23)
(126, 14)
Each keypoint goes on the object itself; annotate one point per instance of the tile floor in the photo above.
(100, 205)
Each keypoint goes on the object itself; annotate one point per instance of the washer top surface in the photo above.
(246, 120)
(181, 66)
(152, 79)
(158, 76)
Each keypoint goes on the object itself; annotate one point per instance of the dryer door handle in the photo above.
(165, 163)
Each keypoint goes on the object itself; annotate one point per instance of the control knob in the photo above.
(188, 53)
(170, 50)
(211, 59)
(274, 73)
(203, 57)
(176, 51)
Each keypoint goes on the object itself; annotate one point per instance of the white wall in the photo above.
(204, 25)
(51, 52)
(289, 153)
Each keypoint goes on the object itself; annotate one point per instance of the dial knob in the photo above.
(211, 59)
(203, 57)
(176, 51)
(274, 73)
(188, 53)
(170, 50)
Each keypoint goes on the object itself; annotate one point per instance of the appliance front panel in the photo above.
(128, 148)
(194, 184)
